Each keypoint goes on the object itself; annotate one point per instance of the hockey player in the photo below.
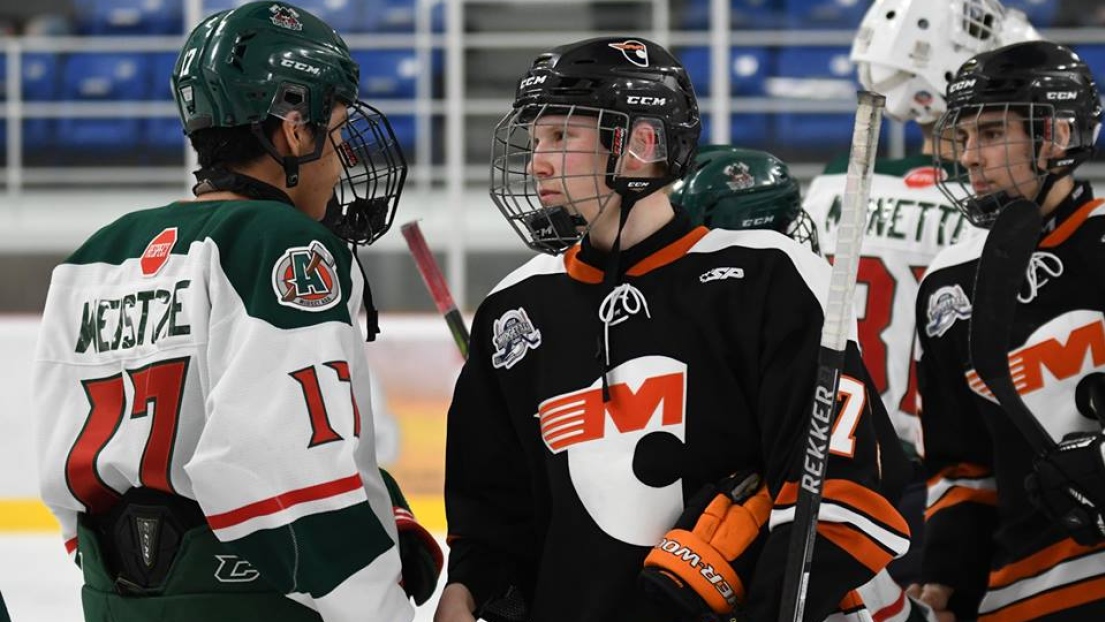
(202, 399)
(907, 50)
(566, 466)
(1020, 120)
(735, 188)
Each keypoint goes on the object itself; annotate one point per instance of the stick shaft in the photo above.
(834, 340)
(436, 285)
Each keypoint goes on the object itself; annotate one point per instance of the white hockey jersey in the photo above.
(211, 350)
(909, 222)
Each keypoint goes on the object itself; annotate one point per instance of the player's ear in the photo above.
(1056, 140)
(294, 136)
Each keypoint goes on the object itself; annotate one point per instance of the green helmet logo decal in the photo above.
(739, 177)
(285, 17)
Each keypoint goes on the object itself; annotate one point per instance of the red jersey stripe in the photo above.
(284, 501)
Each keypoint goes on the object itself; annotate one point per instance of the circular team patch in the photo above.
(306, 278)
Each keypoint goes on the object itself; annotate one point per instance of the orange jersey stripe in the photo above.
(1066, 597)
(855, 496)
(579, 270)
(669, 253)
(1064, 231)
(284, 501)
(1039, 561)
(964, 470)
(590, 274)
(960, 494)
(856, 544)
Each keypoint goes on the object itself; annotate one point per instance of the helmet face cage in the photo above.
(803, 231)
(585, 172)
(995, 151)
(373, 173)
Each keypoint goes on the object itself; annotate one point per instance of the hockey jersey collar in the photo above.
(583, 261)
(1069, 215)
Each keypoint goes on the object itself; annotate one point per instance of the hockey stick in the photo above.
(830, 360)
(998, 279)
(435, 283)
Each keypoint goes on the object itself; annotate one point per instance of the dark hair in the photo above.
(232, 147)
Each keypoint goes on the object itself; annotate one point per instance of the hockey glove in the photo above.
(699, 568)
(1068, 485)
(418, 550)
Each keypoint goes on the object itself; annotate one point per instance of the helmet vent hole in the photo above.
(923, 24)
(891, 15)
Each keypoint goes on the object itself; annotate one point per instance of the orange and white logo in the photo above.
(1047, 368)
(603, 440)
(634, 51)
(157, 252)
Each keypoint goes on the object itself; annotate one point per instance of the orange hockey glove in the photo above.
(418, 550)
(699, 568)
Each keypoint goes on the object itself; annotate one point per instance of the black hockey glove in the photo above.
(418, 550)
(1068, 485)
(699, 569)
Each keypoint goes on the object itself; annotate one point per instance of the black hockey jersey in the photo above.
(982, 534)
(713, 339)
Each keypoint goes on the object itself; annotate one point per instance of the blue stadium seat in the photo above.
(743, 15)
(100, 76)
(163, 134)
(748, 67)
(397, 16)
(3, 77)
(161, 72)
(41, 82)
(752, 131)
(1094, 56)
(818, 72)
(825, 14)
(129, 17)
(387, 74)
(1040, 12)
(405, 128)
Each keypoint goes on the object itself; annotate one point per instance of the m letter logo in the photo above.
(581, 416)
(157, 252)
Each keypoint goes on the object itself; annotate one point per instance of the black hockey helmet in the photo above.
(612, 83)
(1043, 82)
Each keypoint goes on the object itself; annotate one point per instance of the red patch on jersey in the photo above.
(157, 252)
(924, 176)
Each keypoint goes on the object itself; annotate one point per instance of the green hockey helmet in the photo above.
(241, 66)
(264, 58)
(734, 188)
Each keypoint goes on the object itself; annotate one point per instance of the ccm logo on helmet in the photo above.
(642, 100)
(530, 81)
(955, 87)
(1062, 95)
(298, 66)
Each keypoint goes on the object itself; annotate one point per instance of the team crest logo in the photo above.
(306, 278)
(285, 17)
(157, 252)
(738, 176)
(947, 305)
(634, 51)
(513, 336)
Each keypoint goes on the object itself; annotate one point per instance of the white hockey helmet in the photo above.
(908, 50)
